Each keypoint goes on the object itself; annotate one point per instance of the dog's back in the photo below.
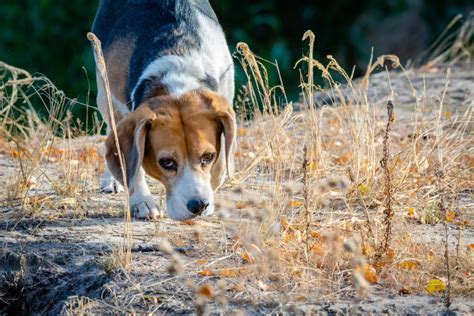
(136, 33)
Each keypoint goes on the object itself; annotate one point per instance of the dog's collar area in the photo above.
(146, 89)
(153, 87)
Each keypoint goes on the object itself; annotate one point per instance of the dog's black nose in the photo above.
(197, 206)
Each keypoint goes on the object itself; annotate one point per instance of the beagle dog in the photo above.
(172, 83)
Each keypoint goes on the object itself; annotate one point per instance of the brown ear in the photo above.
(226, 115)
(132, 132)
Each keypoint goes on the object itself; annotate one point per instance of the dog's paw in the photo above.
(146, 209)
(110, 185)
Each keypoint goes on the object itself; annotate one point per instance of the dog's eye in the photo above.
(207, 158)
(168, 164)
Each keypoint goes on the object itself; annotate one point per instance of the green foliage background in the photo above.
(48, 36)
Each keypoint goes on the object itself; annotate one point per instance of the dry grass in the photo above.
(125, 251)
(306, 215)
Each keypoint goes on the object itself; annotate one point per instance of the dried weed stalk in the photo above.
(101, 66)
(388, 211)
(306, 185)
(444, 213)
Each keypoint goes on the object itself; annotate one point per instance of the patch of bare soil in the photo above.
(62, 241)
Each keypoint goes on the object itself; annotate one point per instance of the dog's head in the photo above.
(186, 143)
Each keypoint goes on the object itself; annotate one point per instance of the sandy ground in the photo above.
(61, 260)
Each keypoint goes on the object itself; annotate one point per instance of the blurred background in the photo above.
(49, 36)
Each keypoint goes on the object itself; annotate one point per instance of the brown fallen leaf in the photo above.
(188, 222)
(206, 290)
(295, 203)
(390, 253)
(247, 257)
(370, 274)
(242, 131)
(206, 272)
(317, 248)
(241, 204)
(342, 160)
(284, 222)
(229, 273)
(450, 216)
(368, 250)
(202, 262)
(16, 153)
(409, 264)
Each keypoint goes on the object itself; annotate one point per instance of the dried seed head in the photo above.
(351, 245)
(197, 234)
(190, 284)
(221, 299)
(166, 247)
(239, 190)
(201, 305)
(223, 213)
(221, 284)
(176, 265)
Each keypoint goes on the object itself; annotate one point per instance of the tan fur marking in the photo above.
(183, 129)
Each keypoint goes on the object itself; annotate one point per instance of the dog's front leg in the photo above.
(142, 203)
(108, 184)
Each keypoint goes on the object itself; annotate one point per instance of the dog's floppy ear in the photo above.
(226, 115)
(132, 132)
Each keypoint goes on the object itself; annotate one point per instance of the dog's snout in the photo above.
(197, 206)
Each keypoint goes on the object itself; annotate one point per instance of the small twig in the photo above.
(388, 184)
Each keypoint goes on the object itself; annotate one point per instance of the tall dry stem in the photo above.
(388, 211)
(101, 66)
(443, 210)
(306, 199)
